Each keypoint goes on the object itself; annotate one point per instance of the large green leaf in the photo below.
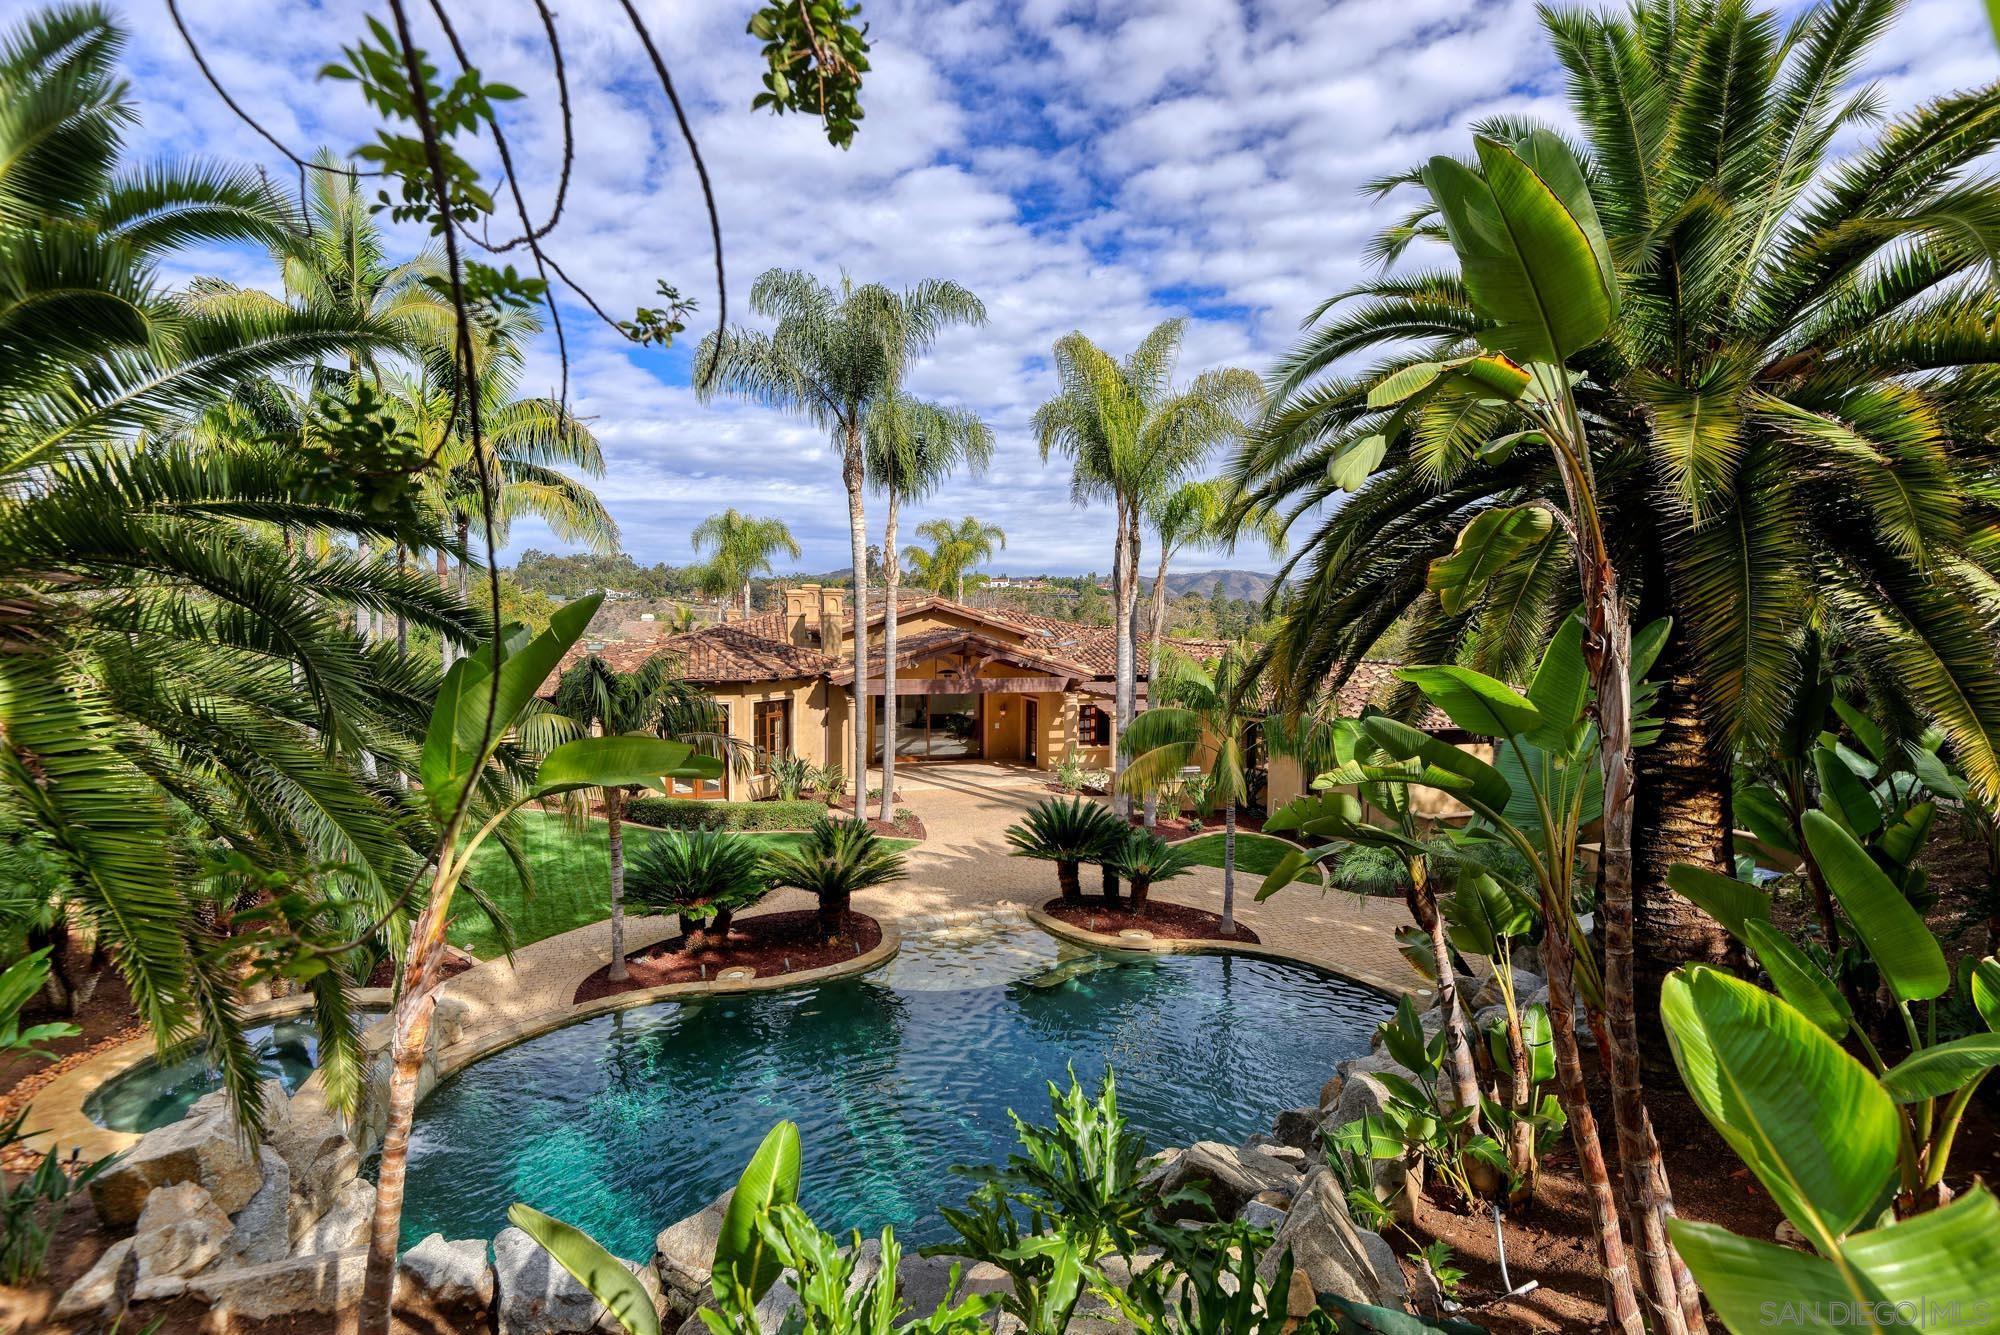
(1947, 1261)
(1761, 811)
(1474, 701)
(1864, 729)
(1362, 1319)
(1724, 898)
(1489, 544)
(593, 1267)
(1943, 1069)
(1533, 262)
(1350, 469)
(1808, 1119)
(1798, 979)
(626, 760)
(1561, 685)
(1901, 946)
(1986, 991)
(1843, 794)
(1399, 385)
(743, 1256)
(1315, 813)
(1445, 766)
(1481, 912)
(1745, 1277)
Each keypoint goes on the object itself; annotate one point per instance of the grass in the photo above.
(1256, 854)
(572, 881)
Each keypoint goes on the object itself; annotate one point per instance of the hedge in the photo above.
(670, 813)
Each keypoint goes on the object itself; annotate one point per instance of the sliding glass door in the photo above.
(933, 727)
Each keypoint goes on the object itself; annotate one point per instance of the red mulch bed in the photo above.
(771, 943)
(455, 962)
(1174, 922)
(910, 828)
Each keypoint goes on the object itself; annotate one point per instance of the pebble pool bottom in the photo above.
(625, 1123)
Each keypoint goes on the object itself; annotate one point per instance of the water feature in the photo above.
(154, 1093)
(625, 1123)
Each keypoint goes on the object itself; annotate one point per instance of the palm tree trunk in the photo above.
(1608, 649)
(1153, 659)
(746, 600)
(892, 580)
(1683, 815)
(857, 534)
(614, 834)
(444, 583)
(1122, 592)
(1069, 878)
(1229, 867)
(1108, 882)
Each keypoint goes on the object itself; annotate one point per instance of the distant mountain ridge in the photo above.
(1237, 584)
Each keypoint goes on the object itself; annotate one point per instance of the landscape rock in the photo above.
(1329, 1093)
(345, 1224)
(328, 1282)
(683, 1251)
(322, 1160)
(277, 1106)
(203, 1149)
(1257, 1214)
(446, 1276)
(922, 1280)
(263, 1231)
(181, 1232)
(1228, 1174)
(1488, 994)
(1298, 1128)
(1290, 1155)
(1339, 1258)
(535, 1296)
(97, 1292)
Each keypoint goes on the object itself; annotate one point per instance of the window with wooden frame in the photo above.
(771, 727)
(1093, 726)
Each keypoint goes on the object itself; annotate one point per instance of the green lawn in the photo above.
(572, 881)
(1256, 854)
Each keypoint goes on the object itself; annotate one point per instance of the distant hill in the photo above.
(1237, 584)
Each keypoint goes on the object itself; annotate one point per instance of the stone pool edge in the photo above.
(1062, 931)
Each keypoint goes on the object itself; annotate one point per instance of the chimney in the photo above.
(802, 613)
(832, 616)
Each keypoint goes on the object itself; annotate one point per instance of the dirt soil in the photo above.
(771, 943)
(1175, 922)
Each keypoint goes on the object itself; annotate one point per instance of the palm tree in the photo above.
(1129, 434)
(912, 446)
(1193, 512)
(743, 547)
(592, 696)
(835, 859)
(832, 357)
(176, 626)
(956, 549)
(1068, 832)
(1196, 716)
(1792, 406)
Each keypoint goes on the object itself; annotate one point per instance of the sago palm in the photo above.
(1130, 434)
(912, 447)
(741, 547)
(831, 357)
(1790, 414)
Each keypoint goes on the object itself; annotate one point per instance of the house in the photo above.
(971, 683)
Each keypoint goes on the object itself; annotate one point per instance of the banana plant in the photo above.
(1829, 1139)
(480, 705)
(1928, 1090)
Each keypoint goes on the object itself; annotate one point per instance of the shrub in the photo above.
(1067, 832)
(836, 858)
(1144, 858)
(829, 781)
(682, 813)
(704, 876)
(790, 775)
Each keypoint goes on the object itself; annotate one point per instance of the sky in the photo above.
(1079, 166)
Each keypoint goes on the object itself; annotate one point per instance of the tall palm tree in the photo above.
(957, 549)
(175, 636)
(743, 546)
(832, 357)
(1194, 512)
(912, 447)
(594, 697)
(1198, 717)
(1129, 434)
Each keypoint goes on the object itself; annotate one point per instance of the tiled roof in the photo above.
(910, 648)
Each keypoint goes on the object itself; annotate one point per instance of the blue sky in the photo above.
(1092, 166)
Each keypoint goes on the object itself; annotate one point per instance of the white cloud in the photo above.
(1080, 164)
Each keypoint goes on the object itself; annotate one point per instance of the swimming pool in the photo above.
(627, 1122)
(154, 1093)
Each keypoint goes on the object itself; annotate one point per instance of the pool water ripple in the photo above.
(627, 1122)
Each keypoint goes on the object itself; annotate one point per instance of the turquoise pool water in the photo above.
(628, 1122)
(153, 1093)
